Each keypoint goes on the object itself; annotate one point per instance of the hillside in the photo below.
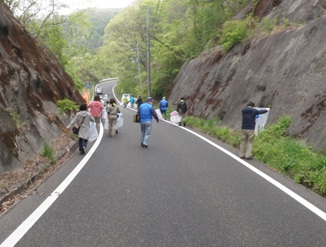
(285, 71)
(31, 81)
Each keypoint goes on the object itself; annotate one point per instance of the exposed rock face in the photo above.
(285, 71)
(31, 81)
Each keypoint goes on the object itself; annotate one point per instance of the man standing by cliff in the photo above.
(248, 130)
(182, 107)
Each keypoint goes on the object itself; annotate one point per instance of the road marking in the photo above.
(34, 217)
(280, 186)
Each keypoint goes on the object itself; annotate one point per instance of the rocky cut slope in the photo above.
(31, 81)
(285, 71)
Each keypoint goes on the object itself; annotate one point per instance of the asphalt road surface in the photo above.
(183, 190)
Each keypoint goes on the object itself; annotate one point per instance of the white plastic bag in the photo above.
(174, 117)
(261, 120)
(92, 132)
(119, 123)
(105, 119)
(159, 114)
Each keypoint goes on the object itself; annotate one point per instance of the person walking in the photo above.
(163, 107)
(139, 101)
(96, 108)
(112, 110)
(182, 108)
(146, 112)
(125, 102)
(132, 101)
(82, 119)
(248, 130)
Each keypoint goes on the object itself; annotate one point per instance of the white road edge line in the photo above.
(280, 186)
(34, 217)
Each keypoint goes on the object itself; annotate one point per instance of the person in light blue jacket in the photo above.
(146, 112)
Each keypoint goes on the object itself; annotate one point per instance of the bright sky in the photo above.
(100, 4)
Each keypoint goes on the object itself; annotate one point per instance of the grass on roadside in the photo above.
(283, 153)
(48, 152)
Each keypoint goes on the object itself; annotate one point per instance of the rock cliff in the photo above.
(285, 71)
(31, 81)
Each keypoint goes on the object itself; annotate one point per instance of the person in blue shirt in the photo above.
(248, 130)
(132, 101)
(146, 112)
(163, 107)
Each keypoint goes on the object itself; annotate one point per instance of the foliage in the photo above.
(214, 128)
(287, 155)
(236, 31)
(14, 115)
(99, 18)
(67, 105)
(291, 156)
(179, 31)
(48, 152)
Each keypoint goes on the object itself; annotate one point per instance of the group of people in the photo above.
(93, 112)
(249, 114)
(146, 112)
(132, 101)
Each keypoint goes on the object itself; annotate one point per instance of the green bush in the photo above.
(236, 31)
(214, 128)
(282, 153)
(48, 153)
(66, 105)
(290, 156)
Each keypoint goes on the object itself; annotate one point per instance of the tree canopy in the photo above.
(93, 44)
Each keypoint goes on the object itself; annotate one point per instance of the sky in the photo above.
(100, 4)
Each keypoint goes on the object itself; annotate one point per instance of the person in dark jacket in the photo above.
(146, 112)
(248, 129)
(182, 108)
(139, 101)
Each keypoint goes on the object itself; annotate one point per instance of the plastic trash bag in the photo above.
(175, 117)
(92, 132)
(106, 120)
(119, 123)
(261, 120)
(159, 114)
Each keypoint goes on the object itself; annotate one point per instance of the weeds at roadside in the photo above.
(49, 153)
(273, 147)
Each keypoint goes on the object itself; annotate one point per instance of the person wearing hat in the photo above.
(163, 107)
(248, 130)
(146, 112)
(182, 107)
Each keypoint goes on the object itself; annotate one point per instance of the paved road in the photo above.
(183, 190)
